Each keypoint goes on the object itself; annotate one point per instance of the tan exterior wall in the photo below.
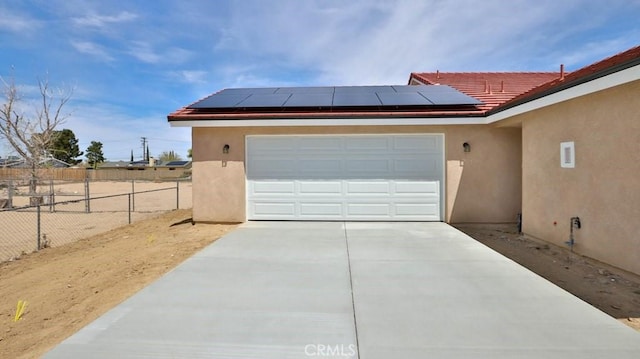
(481, 186)
(604, 187)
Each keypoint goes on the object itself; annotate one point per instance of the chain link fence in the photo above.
(65, 212)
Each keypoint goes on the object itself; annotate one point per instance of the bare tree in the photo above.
(30, 134)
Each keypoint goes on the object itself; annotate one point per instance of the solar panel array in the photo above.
(176, 163)
(329, 97)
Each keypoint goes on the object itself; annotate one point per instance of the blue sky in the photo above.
(130, 63)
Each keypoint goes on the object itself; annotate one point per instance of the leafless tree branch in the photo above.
(30, 134)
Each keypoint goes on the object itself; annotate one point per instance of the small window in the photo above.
(567, 155)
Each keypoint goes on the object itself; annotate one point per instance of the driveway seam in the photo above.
(353, 302)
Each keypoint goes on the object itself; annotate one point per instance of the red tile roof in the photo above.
(601, 68)
(492, 88)
(502, 90)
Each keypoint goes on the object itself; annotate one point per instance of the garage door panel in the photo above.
(368, 168)
(418, 188)
(268, 209)
(416, 168)
(314, 166)
(331, 210)
(368, 188)
(367, 144)
(273, 188)
(421, 144)
(324, 144)
(369, 210)
(276, 143)
(412, 209)
(271, 168)
(320, 187)
(342, 177)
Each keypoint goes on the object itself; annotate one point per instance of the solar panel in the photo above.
(310, 100)
(450, 98)
(176, 163)
(220, 101)
(356, 99)
(404, 99)
(306, 90)
(341, 96)
(419, 88)
(248, 91)
(363, 89)
(439, 94)
(270, 100)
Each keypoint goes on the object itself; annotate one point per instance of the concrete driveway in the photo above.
(351, 290)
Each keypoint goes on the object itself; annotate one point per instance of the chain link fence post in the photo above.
(177, 194)
(87, 196)
(129, 208)
(38, 223)
(52, 197)
(10, 194)
(133, 197)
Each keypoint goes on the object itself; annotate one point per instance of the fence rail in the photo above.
(80, 174)
(25, 227)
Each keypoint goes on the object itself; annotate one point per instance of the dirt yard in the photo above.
(68, 221)
(609, 289)
(67, 287)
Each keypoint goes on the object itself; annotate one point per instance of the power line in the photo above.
(143, 140)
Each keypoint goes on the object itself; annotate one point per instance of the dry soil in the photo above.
(69, 286)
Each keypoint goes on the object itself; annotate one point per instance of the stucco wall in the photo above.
(603, 189)
(481, 186)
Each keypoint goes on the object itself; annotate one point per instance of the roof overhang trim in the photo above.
(333, 122)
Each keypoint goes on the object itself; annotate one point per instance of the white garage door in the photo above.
(358, 177)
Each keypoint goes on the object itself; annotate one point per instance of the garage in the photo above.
(345, 177)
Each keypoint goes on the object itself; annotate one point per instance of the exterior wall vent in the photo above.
(567, 155)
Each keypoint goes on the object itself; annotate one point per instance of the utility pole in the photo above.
(143, 140)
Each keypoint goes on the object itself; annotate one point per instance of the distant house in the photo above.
(50, 162)
(124, 165)
(173, 165)
(146, 165)
(7, 162)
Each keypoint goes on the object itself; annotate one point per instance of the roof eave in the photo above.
(565, 85)
(184, 115)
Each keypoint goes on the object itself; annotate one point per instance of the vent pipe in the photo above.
(561, 71)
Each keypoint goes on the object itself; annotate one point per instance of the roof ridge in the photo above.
(489, 72)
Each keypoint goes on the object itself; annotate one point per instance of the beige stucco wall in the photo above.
(603, 189)
(481, 186)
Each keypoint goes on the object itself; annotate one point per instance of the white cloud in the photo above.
(145, 52)
(93, 49)
(381, 42)
(16, 23)
(191, 76)
(585, 53)
(99, 21)
(177, 55)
